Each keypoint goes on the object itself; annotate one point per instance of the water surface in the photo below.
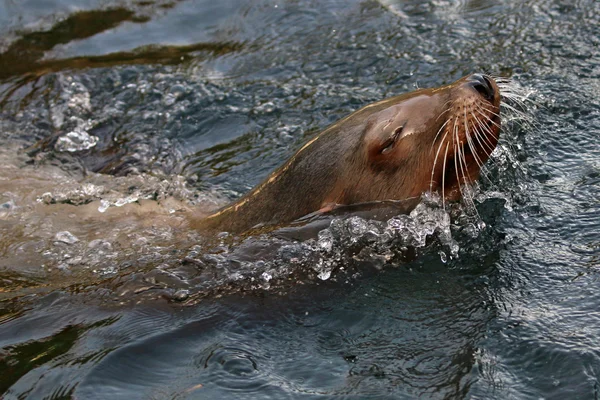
(108, 108)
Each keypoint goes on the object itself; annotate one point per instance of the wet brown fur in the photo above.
(345, 163)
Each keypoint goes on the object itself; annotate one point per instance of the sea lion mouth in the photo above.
(468, 136)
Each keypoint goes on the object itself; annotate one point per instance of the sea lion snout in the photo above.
(484, 85)
(435, 139)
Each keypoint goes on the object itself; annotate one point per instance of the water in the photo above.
(117, 118)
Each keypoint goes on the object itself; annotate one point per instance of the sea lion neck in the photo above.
(298, 187)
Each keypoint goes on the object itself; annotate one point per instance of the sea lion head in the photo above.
(395, 149)
(431, 139)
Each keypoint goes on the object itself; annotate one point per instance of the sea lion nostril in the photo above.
(483, 85)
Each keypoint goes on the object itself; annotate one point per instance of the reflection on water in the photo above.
(119, 120)
(30, 48)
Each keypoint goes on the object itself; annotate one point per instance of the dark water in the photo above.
(193, 103)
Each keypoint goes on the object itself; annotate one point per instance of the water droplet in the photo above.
(66, 237)
(324, 274)
(266, 108)
(325, 240)
(76, 140)
(100, 245)
(104, 204)
(266, 276)
(181, 295)
(45, 198)
(443, 257)
(122, 201)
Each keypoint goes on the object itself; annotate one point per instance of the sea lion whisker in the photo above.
(485, 144)
(487, 108)
(435, 160)
(445, 109)
(462, 161)
(522, 117)
(486, 113)
(456, 170)
(456, 149)
(466, 195)
(507, 85)
(513, 88)
(508, 98)
(480, 112)
(467, 136)
(514, 110)
(499, 77)
(438, 133)
(484, 131)
(483, 139)
(444, 177)
(470, 141)
(483, 169)
(521, 101)
(504, 80)
(518, 94)
(455, 130)
(508, 92)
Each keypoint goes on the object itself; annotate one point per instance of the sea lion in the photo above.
(395, 149)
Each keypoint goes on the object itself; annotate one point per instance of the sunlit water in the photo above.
(119, 118)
